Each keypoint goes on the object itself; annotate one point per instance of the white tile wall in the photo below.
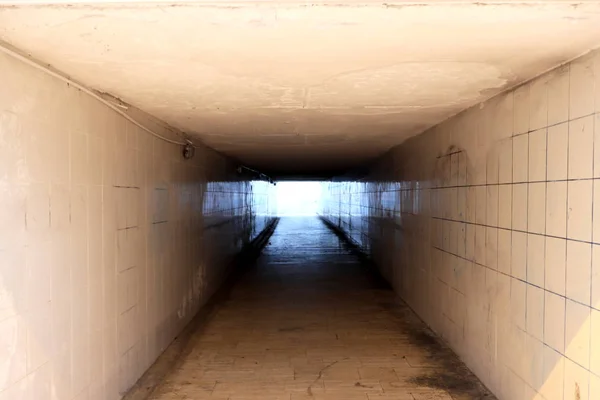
(528, 209)
(109, 241)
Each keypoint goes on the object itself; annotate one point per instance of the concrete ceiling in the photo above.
(302, 87)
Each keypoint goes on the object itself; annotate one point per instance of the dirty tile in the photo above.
(538, 97)
(558, 95)
(577, 381)
(521, 109)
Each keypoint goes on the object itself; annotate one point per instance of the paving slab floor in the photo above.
(310, 321)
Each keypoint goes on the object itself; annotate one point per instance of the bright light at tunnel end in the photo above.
(298, 198)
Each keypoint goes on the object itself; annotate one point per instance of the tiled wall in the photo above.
(109, 240)
(487, 225)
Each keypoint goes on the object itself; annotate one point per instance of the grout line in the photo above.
(597, 78)
(568, 127)
(556, 124)
(516, 230)
(527, 237)
(512, 219)
(545, 220)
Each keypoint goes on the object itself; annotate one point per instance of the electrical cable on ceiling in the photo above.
(115, 107)
(90, 92)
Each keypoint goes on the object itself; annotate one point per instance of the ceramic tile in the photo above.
(536, 208)
(556, 209)
(579, 271)
(581, 85)
(554, 321)
(520, 169)
(557, 152)
(536, 252)
(519, 206)
(577, 333)
(595, 287)
(538, 95)
(535, 312)
(519, 255)
(521, 109)
(558, 95)
(576, 381)
(537, 155)
(579, 210)
(554, 373)
(595, 342)
(555, 270)
(581, 148)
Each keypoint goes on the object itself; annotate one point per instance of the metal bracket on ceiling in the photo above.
(259, 175)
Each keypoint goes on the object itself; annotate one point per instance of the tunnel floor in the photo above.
(309, 321)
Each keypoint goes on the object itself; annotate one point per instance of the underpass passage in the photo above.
(310, 321)
(140, 145)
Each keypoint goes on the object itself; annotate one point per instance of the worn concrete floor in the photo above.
(310, 322)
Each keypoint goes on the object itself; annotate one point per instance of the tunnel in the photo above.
(290, 200)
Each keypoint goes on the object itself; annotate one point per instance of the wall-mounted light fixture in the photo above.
(188, 151)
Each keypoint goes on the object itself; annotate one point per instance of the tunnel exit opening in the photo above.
(298, 198)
